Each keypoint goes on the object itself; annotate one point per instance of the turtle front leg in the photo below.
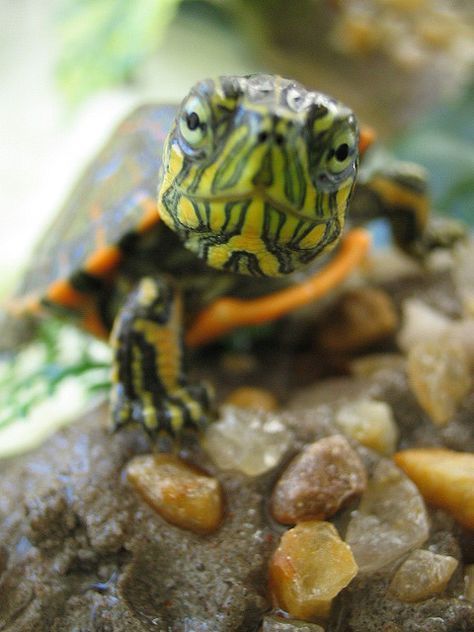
(149, 382)
(399, 193)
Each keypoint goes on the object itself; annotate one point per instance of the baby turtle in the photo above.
(254, 178)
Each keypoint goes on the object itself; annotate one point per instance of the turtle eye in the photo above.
(342, 151)
(194, 123)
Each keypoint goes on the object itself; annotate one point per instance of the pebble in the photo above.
(371, 423)
(318, 481)
(272, 623)
(445, 478)
(309, 568)
(422, 575)
(363, 316)
(391, 519)
(369, 364)
(179, 492)
(469, 582)
(439, 376)
(249, 441)
(462, 332)
(253, 398)
(464, 278)
(420, 323)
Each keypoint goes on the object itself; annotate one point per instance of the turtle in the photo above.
(197, 218)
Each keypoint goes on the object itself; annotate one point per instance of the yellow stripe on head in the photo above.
(256, 168)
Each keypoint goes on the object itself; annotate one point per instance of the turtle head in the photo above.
(257, 173)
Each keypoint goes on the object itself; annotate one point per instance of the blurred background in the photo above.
(70, 69)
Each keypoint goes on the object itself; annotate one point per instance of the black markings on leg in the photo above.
(149, 383)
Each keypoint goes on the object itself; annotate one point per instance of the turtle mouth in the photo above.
(253, 194)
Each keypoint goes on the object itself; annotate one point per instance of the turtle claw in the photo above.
(186, 407)
(442, 233)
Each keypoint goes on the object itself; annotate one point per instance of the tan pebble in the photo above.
(239, 363)
(179, 492)
(391, 519)
(309, 568)
(422, 575)
(439, 376)
(362, 317)
(438, 32)
(463, 277)
(462, 332)
(274, 623)
(357, 36)
(469, 582)
(371, 423)
(318, 481)
(420, 322)
(445, 478)
(253, 398)
(368, 365)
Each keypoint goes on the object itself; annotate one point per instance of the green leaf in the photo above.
(102, 42)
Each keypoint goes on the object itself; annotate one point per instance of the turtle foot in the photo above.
(187, 407)
(442, 233)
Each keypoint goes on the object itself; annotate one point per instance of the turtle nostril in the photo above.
(262, 137)
(279, 139)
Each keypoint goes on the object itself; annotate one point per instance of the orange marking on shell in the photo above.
(366, 139)
(62, 293)
(103, 261)
(150, 216)
(92, 323)
(227, 314)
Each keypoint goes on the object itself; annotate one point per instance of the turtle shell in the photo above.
(114, 198)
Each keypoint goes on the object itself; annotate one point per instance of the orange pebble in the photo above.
(180, 493)
(445, 479)
(309, 568)
(253, 398)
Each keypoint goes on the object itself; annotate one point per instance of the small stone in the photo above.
(391, 519)
(469, 582)
(3, 559)
(318, 481)
(309, 568)
(371, 423)
(239, 363)
(272, 623)
(439, 376)
(250, 441)
(462, 332)
(420, 323)
(253, 398)
(179, 492)
(362, 317)
(463, 277)
(445, 478)
(422, 575)
(369, 364)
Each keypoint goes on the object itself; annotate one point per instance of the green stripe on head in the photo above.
(286, 156)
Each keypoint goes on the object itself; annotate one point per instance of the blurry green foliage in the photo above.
(102, 42)
(37, 372)
(443, 142)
